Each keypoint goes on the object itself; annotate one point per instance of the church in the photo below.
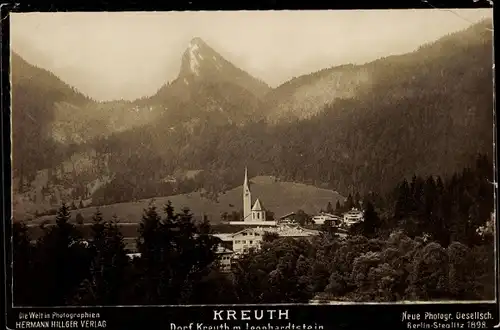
(252, 215)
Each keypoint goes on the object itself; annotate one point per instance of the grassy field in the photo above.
(278, 197)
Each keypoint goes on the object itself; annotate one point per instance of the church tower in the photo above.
(247, 199)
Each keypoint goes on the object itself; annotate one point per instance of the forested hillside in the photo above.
(425, 112)
(34, 92)
(363, 128)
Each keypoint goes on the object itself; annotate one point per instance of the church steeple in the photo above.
(247, 198)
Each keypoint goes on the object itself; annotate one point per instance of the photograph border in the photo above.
(5, 10)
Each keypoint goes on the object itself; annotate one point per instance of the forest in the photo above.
(430, 239)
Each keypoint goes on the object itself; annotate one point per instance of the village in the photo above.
(240, 237)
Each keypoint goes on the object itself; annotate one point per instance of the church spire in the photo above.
(247, 198)
(245, 183)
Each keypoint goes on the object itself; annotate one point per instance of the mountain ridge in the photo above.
(288, 100)
(412, 115)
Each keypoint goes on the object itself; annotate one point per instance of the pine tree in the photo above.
(108, 267)
(62, 262)
(98, 227)
(371, 222)
(148, 239)
(429, 208)
(329, 208)
(357, 199)
(402, 207)
(79, 219)
(23, 275)
(176, 256)
(338, 208)
(349, 204)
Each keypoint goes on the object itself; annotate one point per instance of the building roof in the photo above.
(251, 224)
(287, 215)
(285, 231)
(329, 215)
(236, 226)
(224, 237)
(354, 211)
(257, 206)
(221, 250)
(134, 255)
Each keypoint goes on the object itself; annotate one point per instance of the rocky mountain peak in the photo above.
(200, 60)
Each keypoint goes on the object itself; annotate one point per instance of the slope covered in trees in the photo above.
(427, 112)
(34, 93)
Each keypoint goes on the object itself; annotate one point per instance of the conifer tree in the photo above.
(22, 265)
(402, 206)
(108, 267)
(349, 204)
(329, 208)
(79, 219)
(338, 208)
(62, 262)
(176, 255)
(357, 199)
(371, 222)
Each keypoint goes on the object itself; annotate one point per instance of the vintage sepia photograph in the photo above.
(252, 157)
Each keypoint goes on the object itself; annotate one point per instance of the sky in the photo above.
(127, 55)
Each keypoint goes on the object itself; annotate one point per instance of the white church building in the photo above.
(252, 215)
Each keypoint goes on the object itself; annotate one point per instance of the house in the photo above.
(169, 179)
(133, 255)
(327, 218)
(225, 257)
(352, 217)
(289, 218)
(248, 238)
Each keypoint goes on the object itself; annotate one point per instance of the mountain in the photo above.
(305, 96)
(426, 112)
(200, 61)
(353, 128)
(208, 88)
(85, 143)
(49, 116)
(34, 93)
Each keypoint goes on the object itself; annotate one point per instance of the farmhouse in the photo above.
(246, 239)
(327, 218)
(289, 218)
(225, 256)
(352, 217)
